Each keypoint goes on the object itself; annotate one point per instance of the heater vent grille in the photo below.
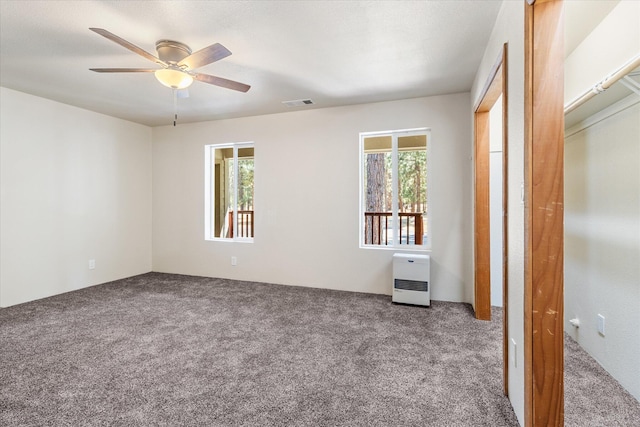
(298, 103)
(411, 285)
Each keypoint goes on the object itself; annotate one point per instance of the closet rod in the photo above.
(605, 84)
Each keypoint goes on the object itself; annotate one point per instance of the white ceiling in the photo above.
(334, 52)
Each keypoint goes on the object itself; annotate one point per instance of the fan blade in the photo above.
(123, 70)
(133, 48)
(205, 56)
(219, 81)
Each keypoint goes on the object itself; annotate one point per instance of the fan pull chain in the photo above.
(175, 106)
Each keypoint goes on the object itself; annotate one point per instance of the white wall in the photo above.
(602, 204)
(509, 28)
(75, 185)
(306, 197)
(495, 201)
(602, 242)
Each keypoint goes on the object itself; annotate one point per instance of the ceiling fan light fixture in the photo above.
(173, 78)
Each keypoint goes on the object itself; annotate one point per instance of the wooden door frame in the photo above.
(544, 213)
(495, 86)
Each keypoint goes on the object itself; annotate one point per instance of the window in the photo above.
(229, 212)
(393, 189)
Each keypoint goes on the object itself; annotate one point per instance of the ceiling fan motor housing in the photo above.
(177, 61)
(171, 51)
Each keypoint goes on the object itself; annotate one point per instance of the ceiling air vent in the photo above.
(298, 103)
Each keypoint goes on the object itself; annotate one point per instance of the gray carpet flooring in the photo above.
(592, 396)
(171, 350)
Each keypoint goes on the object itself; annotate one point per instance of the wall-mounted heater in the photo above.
(411, 279)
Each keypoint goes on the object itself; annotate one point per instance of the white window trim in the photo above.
(209, 202)
(396, 246)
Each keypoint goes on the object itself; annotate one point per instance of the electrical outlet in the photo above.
(92, 264)
(234, 260)
(514, 353)
(601, 324)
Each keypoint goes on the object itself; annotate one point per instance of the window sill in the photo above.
(217, 239)
(398, 248)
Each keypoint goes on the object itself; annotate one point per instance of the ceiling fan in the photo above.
(177, 61)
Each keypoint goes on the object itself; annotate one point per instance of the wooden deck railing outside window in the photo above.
(377, 227)
(377, 230)
(245, 224)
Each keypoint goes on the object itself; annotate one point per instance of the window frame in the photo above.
(395, 245)
(209, 187)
